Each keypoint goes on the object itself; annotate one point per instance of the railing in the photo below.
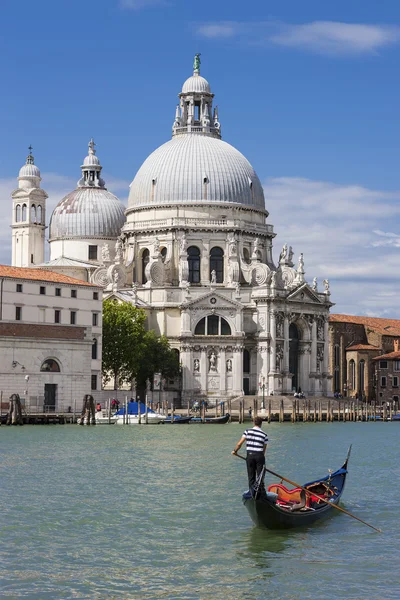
(191, 222)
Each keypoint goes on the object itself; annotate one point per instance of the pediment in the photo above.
(212, 300)
(305, 294)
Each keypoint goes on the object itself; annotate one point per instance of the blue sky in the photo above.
(308, 91)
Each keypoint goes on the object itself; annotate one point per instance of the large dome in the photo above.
(196, 168)
(87, 213)
(196, 84)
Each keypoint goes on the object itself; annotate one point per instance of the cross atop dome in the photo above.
(30, 159)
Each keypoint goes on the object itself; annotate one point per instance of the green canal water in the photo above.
(155, 512)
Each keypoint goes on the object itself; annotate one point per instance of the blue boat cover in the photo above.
(134, 408)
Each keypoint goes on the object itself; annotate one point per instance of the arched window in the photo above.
(51, 366)
(246, 361)
(194, 264)
(39, 214)
(163, 254)
(24, 212)
(18, 213)
(213, 325)
(246, 256)
(94, 349)
(352, 375)
(33, 213)
(217, 263)
(145, 262)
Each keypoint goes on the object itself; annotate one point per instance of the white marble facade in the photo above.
(196, 253)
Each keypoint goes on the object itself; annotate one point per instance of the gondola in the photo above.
(178, 419)
(281, 508)
(216, 420)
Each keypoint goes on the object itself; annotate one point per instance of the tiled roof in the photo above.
(382, 326)
(29, 330)
(40, 275)
(362, 347)
(390, 356)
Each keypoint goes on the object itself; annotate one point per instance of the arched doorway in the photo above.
(294, 355)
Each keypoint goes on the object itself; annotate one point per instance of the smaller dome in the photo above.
(29, 170)
(196, 84)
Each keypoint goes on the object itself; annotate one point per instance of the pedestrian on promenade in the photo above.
(256, 445)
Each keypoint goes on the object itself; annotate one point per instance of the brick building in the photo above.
(355, 342)
(387, 375)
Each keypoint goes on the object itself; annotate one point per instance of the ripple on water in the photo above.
(155, 512)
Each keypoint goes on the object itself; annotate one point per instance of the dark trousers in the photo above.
(255, 462)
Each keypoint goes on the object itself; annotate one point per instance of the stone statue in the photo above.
(105, 252)
(213, 362)
(301, 263)
(229, 365)
(183, 244)
(326, 285)
(213, 276)
(290, 257)
(315, 284)
(273, 279)
(156, 246)
(320, 330)
(237, 288)
(115, 277)
(118, 249)
(283, 254)
(196, 62)
(196, 365)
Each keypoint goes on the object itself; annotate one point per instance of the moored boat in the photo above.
(102, 417)
(178, 419)
(136, 415)
(216, 420)
(283, 508)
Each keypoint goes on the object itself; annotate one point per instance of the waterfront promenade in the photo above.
(272, 409)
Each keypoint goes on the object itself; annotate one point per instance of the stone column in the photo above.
(186, 362)
(273, 340)
(263, 353)
(203, 369)
(286, 344)
(222, 369)
(238, 369)
(325, 365)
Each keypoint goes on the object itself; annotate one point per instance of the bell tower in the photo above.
(28, 217)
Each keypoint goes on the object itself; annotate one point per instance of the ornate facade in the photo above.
(196, 253)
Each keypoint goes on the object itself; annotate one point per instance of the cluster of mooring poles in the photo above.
(318, 411)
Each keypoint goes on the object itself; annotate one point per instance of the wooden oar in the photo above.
(316, 496)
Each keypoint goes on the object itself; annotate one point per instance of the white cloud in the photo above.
(322, 37)
(337, 228)
(138, 4)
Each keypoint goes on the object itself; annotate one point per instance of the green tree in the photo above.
(160, 358)
(123, 341)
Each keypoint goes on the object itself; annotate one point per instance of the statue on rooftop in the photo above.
(196, 62)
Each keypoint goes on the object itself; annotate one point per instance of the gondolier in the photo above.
(256, 445)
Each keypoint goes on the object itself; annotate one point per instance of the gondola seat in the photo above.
(284, 495)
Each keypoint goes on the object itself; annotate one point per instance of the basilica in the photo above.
(195, 249)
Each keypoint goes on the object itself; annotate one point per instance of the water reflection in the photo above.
(262, 546)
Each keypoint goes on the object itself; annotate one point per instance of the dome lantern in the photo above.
(194, 113)
(29, 174)
(90, 211)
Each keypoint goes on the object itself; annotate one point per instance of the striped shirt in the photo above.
(256, 439)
